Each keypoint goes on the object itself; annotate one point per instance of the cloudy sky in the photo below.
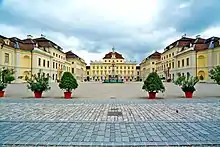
(90, 28)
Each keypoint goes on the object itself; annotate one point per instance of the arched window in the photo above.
(188, 74)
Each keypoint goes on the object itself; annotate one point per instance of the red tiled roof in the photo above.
(155, 55)
(201, 46)
(70, 54)
(180, 43)
(109, 55)
(43, 42)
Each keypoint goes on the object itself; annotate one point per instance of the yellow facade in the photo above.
(149, 65)
(112, 67)
(186, 56)
(28, 58)
(78, 68)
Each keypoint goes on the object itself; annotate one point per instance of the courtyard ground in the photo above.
(119, 91)
(110, 122)
(110, 115)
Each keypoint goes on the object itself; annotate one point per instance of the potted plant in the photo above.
(68, 83)
(215, 74)
(187, 84)
(153, 85)
(6, 77)
(38, 84)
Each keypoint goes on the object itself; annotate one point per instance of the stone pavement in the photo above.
(110, 122)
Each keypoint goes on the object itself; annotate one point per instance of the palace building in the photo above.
(113, 65)
(30, 55)
(185, 56)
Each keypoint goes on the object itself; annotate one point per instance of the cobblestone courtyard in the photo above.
(109, 122)
(111, 115)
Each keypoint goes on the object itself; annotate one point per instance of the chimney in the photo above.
(29, 37)
(198, 36)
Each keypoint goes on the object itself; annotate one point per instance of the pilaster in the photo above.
(17, 64)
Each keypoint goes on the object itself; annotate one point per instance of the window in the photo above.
(128, 67)
(183, 63)
(153, 69)
(169, 65)
(109, 67)
(172, 64)
(116, 60)
(125, 67)
(121, 67)
(53, 64)
(187, 62)
(105, 67)
(59, 56)
(6, 57)
(44, 63)
(109, 61)
(152, 62)
(73, 70)
(53, 76)
(87, 72)
(53, 55)
(48, 64)
(132, 67)
(101, 67)
(172, 54)
(97, 67)
(56, 55)
(169, 55)
(178, 64)
(93, 67)
(39, 61)
(72, 62)
(56, 65)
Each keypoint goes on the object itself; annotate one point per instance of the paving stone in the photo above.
(83, 121)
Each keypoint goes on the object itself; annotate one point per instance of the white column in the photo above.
(1, 55)
(17, 64)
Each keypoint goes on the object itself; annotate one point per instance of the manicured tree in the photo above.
(215, 74)
(68, 83)
(153, 84)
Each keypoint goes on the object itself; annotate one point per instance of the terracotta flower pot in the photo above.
(37, 94)
(67, 95)
(152, 95)
(188, 94)
(2, 93)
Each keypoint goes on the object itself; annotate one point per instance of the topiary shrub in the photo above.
(68, 82)
(153, 83)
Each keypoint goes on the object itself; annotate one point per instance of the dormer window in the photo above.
(7, 42)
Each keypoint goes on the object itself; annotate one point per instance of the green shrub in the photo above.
(215, 74)
(153, 83)
(6, 77)
(68, 82)
(187, 84)
(38, 83)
